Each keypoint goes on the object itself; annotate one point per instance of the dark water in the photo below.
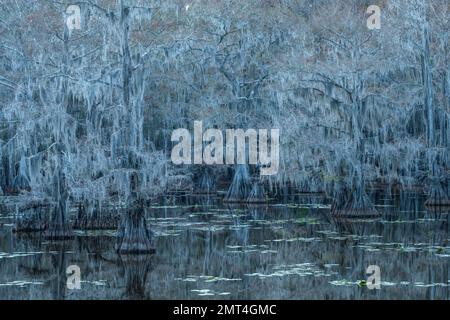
(205, 250)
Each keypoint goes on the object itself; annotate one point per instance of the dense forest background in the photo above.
(86, 115)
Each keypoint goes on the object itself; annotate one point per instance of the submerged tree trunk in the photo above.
(356, 204)
(352, 200)
(133, 237)
(257, 194)
(206, 183)
(239, 189)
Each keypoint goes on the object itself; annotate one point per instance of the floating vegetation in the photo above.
(339, 238)
(222, 210)
(327, 232)
(181, 224)
(306, 206)
(397, 221)
(362, 283)
(423, 285)
(209, 292)
(268, 251)
(358, 283)
(168, 233)
(263, 249)
(94, 282)
(237, 246)
(307, 220)
(244, 251)
(402, 247)
(164, 207)
(299, 269)
(20, 283)
(169, 218)
(301, 239)
(344, 282)
(209, 228)
(5, 255)
(95, 233)
(206, 279)
(208, 213)
(204, 292)
(7, 225)
(248, 246)
(216, 279)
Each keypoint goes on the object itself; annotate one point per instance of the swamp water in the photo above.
(207, 250)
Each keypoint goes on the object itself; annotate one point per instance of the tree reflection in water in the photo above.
(205, 249)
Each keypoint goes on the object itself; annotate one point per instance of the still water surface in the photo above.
(207, 250)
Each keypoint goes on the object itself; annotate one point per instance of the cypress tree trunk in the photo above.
(59, 227)
(206, 183)
(133, 237)
(437, 193)
(126, 69)
(428, 89)
(257, 194)
(239, 189)
(353, 200)
(2, 172)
